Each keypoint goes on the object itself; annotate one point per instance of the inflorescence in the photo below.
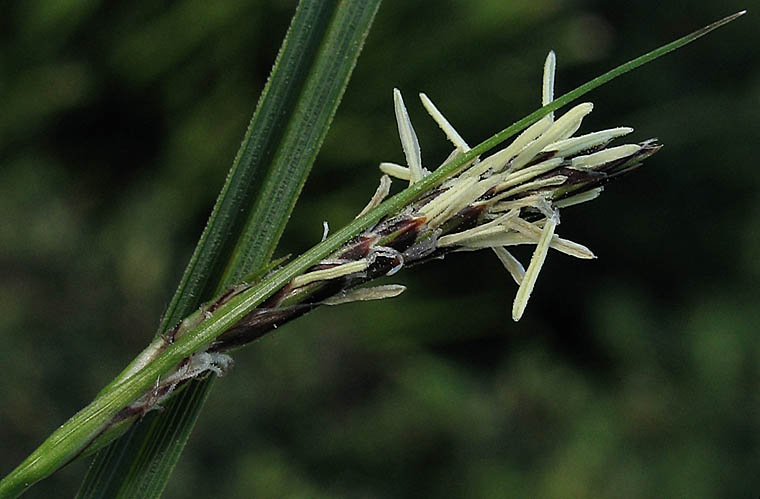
(507, 199)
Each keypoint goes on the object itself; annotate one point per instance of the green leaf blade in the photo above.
(303, 138)
(294, 112)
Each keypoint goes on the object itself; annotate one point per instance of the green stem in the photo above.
(75, 434)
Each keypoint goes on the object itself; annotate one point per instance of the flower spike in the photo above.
(511, 198)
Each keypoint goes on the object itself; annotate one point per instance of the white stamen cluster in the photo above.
(508, 181)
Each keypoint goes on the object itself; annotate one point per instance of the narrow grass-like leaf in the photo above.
(76, 432)
(289, 125)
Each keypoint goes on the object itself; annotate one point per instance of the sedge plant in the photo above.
(481, 198)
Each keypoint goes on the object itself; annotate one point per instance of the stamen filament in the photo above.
(409, 142)
(331, 273)
(534, 267)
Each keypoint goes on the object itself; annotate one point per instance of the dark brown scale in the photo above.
(465, 219)
(358, 248)
(276, 298)
(540, 157)
(395, 224)
(613, 176)
(581, 181)
(224, 298)
(264, 319)
(577, 177)
(402, 234)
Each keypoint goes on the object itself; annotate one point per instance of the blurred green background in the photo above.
(634, 375)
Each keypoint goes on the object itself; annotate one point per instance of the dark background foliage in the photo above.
(634, 375)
